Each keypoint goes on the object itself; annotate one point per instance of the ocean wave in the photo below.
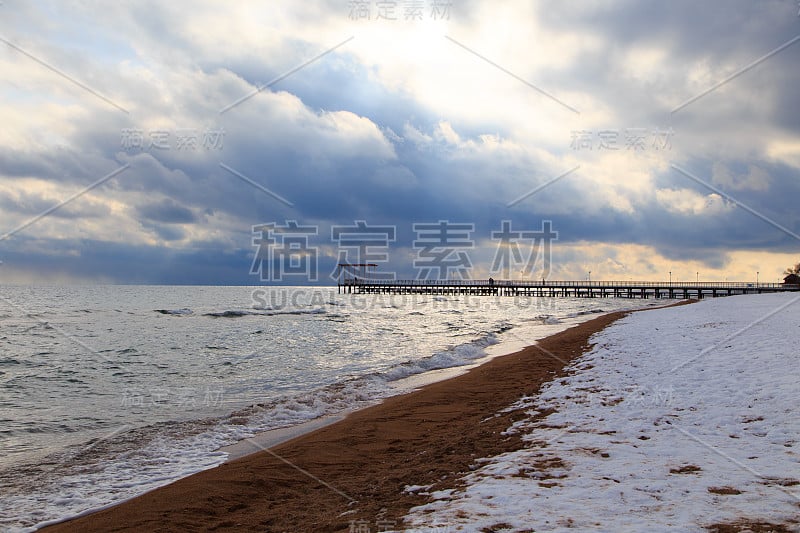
(231, 314)
(459, 355)
(127, 462)
(178, 312)
(586, 312)
(350, 393)
(238, 313)
(503, 327)
(548, 320)
(134, 460)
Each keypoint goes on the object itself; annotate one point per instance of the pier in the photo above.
(565, 289)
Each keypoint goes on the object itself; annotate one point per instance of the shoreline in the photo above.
(356, 467)
(405, 385)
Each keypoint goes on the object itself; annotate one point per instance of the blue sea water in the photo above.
(109, 391)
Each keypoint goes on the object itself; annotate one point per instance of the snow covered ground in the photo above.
(679, 418)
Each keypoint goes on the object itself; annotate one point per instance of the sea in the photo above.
(107, 392)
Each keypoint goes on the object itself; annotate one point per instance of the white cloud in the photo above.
(689, 202)
(785, 151)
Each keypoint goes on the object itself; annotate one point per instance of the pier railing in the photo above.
(584, 284)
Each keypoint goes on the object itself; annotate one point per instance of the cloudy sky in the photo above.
(655, 137)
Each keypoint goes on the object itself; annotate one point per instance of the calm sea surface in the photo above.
(109, 391)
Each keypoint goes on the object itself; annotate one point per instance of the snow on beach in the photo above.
(678, 419)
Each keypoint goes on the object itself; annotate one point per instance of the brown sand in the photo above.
(356, 469)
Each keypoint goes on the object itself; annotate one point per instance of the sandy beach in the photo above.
(578, 431)
(355, 470)
(376, 266)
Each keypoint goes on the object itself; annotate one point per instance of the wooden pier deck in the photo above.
(567, 289)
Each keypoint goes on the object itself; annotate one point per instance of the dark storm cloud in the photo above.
(689, 27)
(719, 38)
(167, 211)
(204, 264)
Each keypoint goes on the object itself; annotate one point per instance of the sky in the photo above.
(263, 143)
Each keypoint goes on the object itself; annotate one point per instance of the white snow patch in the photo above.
(416, 489)
(672, 408)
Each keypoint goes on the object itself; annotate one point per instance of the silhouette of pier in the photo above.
(566, 289)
